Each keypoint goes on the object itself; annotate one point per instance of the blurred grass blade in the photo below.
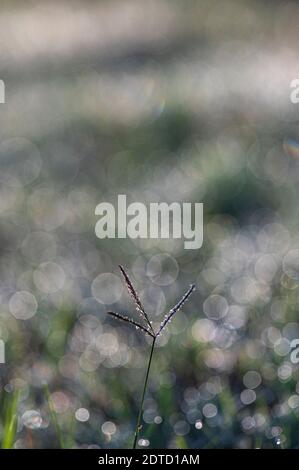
(54, 416)
(11, 421)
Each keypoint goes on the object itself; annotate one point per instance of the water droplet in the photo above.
(32, 419)
(82, 414)
(143, 442)
(198, 424)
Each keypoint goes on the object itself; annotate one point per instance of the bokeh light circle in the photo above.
(290, 264)
(215, 307)
(49, 277)
(162, 269)
(82, 414)
(107, 288)
(20, 161)
(39, 246)
(32, 419)
(23, 305)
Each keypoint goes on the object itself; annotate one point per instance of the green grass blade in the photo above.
(11, 421)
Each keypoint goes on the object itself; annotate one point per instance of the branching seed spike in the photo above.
(148, 329)
(130, 320)
(135, 297)
(176, 308)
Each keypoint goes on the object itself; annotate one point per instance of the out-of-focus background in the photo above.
(163, 100)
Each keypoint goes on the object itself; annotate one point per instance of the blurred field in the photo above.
(163, 100)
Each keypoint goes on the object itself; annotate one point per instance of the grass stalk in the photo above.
(143, 395)
(149, 330)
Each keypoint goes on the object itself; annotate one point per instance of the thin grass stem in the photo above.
(143, 395)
